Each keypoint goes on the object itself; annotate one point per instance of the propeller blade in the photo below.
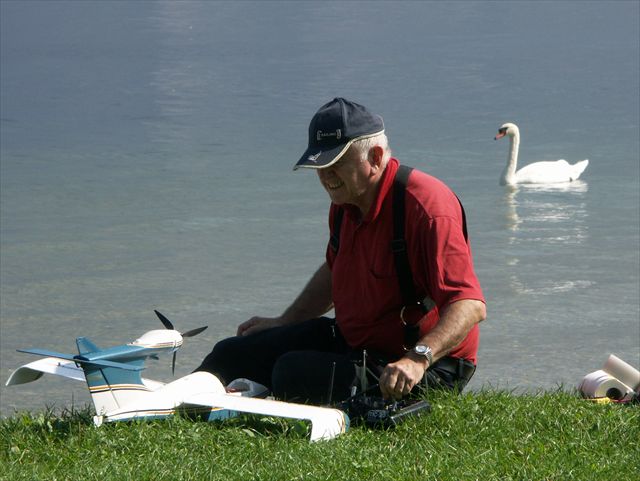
(194, 332)
(166, 322)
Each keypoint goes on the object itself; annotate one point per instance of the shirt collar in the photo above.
(384, 186)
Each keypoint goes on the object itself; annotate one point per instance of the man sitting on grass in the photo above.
(388, 258)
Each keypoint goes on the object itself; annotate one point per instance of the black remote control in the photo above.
(374, 411)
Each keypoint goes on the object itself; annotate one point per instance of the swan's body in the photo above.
(546, 172)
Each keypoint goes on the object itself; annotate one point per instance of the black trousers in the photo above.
(308, 362)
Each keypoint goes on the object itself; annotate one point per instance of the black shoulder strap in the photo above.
(464, 220)
(401, 256)
(398, 243)
(334, 241)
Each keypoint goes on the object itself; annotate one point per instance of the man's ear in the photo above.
(375, 157)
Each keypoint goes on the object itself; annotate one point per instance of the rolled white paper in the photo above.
(626, 373)
(601, 384)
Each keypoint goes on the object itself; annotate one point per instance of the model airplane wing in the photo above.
(49, 365)
(326, 423)
(202, 393)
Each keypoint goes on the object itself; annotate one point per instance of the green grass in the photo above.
(485, 435)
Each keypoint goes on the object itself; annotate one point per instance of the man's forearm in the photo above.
(456, 320)
(314, 300)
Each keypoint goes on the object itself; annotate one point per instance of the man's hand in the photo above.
(399, 378)
(313, 301)
(257, 324)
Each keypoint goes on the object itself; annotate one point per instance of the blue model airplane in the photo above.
(120, 393)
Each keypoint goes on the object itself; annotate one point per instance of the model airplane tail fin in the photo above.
(85, 346)
(112, 387)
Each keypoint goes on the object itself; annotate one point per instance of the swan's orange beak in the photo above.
(501, 134)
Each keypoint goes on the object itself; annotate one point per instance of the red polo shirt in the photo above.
(366, 292)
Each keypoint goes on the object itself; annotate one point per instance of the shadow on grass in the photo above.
(264, 426)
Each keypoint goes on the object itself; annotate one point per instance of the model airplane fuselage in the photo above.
(120, 393)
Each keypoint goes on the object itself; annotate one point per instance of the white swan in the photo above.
(546, 172)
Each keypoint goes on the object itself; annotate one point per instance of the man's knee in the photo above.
(223, 354)
(287, 375)
(312, 376)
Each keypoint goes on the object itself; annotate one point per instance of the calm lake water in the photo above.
(147, 151)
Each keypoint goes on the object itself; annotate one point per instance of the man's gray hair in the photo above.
(364, 145)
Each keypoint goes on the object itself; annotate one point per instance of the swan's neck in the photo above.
(509, 172)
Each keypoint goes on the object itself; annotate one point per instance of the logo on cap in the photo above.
(321, 135)
(314, 158)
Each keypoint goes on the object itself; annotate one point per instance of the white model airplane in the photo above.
(120, 393)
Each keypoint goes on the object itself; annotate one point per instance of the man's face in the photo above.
(348, 180)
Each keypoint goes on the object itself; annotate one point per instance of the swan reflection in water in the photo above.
(535, 206)
(546, 223)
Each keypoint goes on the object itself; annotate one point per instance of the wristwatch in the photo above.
(423, 350)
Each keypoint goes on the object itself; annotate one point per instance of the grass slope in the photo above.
(486, 435)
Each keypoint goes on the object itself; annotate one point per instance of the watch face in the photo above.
(421, 349)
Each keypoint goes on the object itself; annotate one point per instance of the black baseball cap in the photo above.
(334, 127)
